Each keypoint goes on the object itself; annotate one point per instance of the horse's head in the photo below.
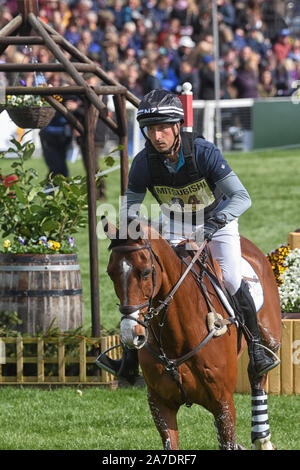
(136, 273)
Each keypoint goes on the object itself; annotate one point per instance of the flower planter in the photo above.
(291, 315)
(31, 117)
(42, 288)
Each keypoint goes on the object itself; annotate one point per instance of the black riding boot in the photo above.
(260, 362)
(127, 367)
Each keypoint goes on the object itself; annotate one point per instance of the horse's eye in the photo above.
(146, 273)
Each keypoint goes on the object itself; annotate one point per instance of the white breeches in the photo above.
(225, 248)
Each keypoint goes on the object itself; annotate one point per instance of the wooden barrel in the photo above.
(41, 288)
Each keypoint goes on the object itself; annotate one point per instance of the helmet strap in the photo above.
(176, 143)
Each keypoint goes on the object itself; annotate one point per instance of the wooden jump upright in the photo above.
(28, 29)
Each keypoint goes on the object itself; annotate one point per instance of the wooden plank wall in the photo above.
(284, 379)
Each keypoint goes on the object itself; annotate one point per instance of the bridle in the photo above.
(127, 310)
(170, 365)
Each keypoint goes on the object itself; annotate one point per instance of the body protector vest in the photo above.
(185, 191)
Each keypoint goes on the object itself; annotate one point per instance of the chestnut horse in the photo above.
(182, 361)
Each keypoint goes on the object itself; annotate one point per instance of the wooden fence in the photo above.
(56, 361)
(59, 361)
(285, 378)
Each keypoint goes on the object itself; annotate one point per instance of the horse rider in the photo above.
(177, 165)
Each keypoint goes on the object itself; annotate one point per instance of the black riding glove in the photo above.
(213, 224)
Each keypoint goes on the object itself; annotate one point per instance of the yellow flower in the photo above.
(6, 243)
(53, 245)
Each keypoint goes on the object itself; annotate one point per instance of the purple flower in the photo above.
(42, 240)
(22, 82)
(21, 240)
(71, 241)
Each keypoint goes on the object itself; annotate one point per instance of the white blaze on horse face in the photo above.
(132, 334)
(125, 270)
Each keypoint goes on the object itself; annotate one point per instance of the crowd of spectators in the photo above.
(147, 44)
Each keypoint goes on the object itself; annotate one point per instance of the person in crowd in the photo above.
(246, 80)
(207, 78)
(282, 46)
(187, 73)
(185, 48)
(165, 73)
(266, 87)
(149, 78)
(55, 141)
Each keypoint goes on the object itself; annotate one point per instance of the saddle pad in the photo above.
(255, 287)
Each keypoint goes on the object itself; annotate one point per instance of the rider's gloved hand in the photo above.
(213, 224)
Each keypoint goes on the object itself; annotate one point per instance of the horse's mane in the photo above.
(146, 226)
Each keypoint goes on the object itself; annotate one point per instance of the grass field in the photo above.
(32, 418)
(120, 420)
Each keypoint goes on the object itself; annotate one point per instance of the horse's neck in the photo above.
(170, 262)
(185, 321)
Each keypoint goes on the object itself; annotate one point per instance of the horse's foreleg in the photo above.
(224, 414)
(260, 428)
(165, 421)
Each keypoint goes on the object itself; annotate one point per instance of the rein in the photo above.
(170, 365)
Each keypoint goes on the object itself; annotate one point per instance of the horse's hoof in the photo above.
(263, 444)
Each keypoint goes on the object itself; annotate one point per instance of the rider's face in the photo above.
(162, 136)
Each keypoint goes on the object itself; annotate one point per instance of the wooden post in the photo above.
(294, 240)
(120, 107)
(61, 361)
(287, 386)
(89, 150)
(19, 351)
(40, 360)
(82, 361)
(28, 6)
(25, 8)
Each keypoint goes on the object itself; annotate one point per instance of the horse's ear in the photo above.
(109, 229)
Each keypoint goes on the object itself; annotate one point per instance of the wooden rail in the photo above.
(50, 360)
(284, 379)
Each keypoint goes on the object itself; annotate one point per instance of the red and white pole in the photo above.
(186, 99)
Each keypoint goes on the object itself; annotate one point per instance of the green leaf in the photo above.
(50, 225)
(32, 194)
(16, 143)
(19, 194)
(28, 151)
(109, 161)
(120, 147)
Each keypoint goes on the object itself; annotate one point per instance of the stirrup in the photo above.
(106, 363)
(275, 363)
